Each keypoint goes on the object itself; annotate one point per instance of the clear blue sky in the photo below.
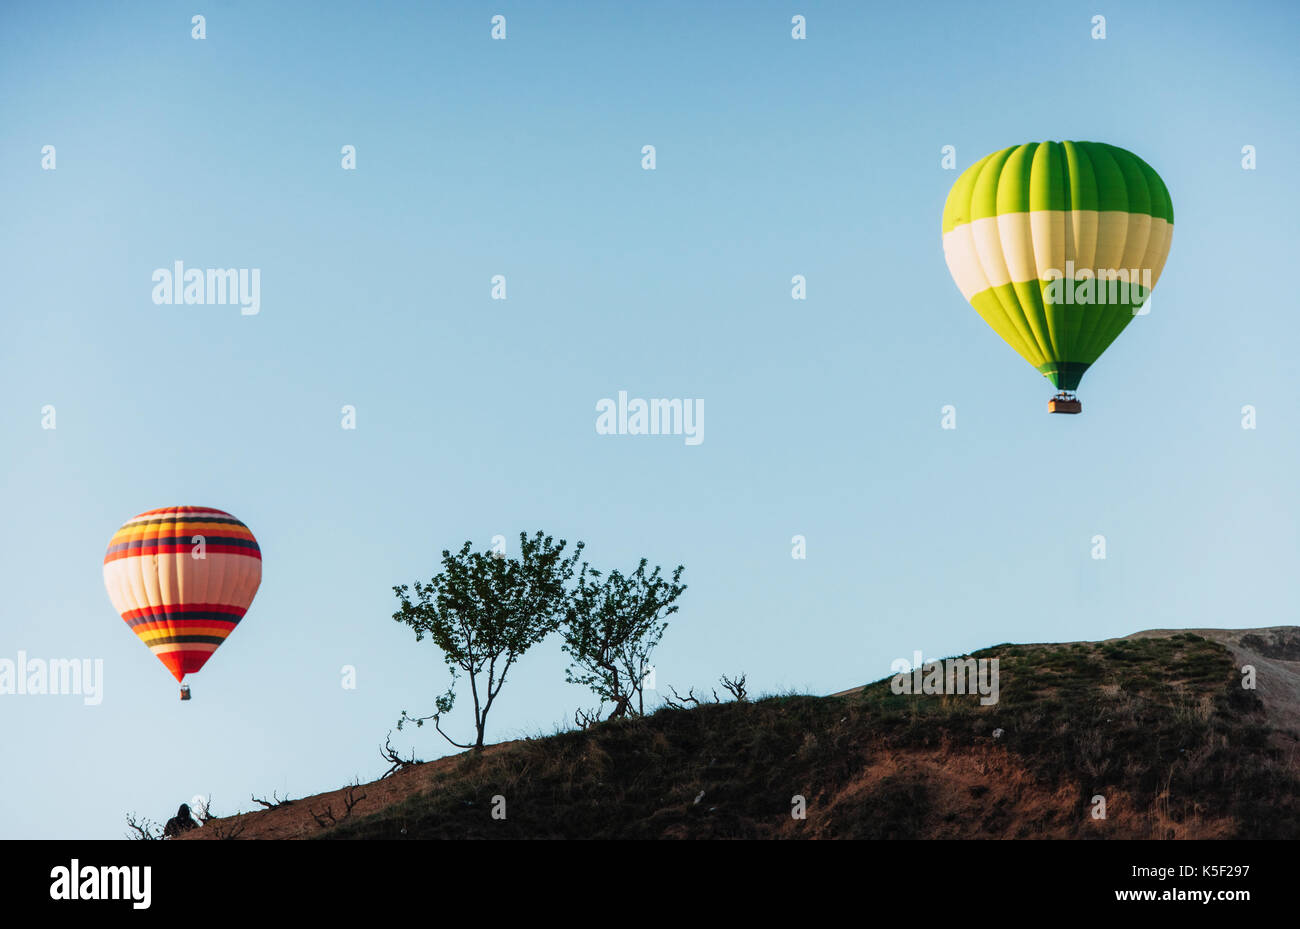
(476, 417)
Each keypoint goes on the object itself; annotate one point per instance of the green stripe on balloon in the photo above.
(1057, 176)
(1064, 375)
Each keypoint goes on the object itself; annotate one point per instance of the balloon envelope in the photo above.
(182, 577)
(1076, 210)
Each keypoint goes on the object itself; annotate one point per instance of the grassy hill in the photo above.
(1157, 723)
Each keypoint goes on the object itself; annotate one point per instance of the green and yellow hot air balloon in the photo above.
(1057, 246)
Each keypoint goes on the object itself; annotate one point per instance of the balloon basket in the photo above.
(185, 691)
(1064, 403)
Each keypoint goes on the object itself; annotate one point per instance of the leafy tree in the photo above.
(610, 628)
(484, 611)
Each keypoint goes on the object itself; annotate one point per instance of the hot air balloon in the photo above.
(182, 577)
(1057, 246)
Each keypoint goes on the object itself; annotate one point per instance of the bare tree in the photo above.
(142, 828)
(326, 817)
(351, 798)
(735, 687)
(678, 702)
(585, 719)
(228, 831)
(204, 812)
(396, 762)
(273, 802)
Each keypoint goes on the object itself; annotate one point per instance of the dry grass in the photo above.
(1158, 726)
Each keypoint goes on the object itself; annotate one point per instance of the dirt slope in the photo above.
(1274, 651)
(1157, 723)
(298, 818)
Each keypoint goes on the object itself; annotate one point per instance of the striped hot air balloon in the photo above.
(182, 577)
(1057, 245)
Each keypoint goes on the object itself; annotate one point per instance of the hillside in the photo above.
(1156, 722)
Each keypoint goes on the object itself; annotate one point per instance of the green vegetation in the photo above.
(610, 628)
(483, 612)
(486, 609)
(1163, 719)
(1161, 727)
